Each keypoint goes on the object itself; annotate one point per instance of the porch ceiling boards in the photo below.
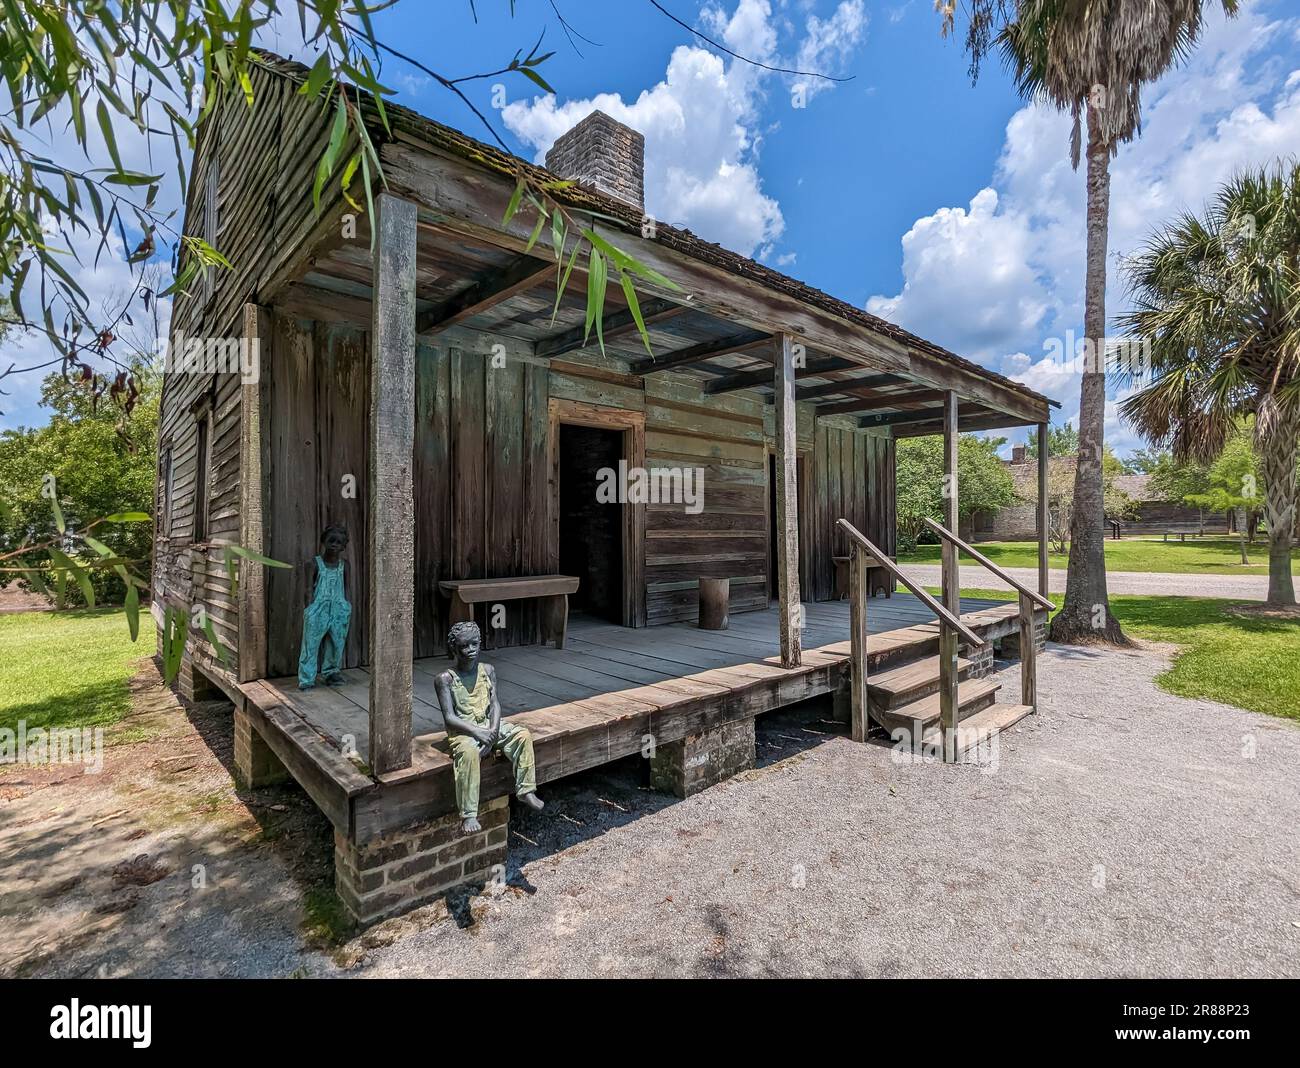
(493, 290)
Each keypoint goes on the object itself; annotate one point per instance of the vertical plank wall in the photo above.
(481, 491)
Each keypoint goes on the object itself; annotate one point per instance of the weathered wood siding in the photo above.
(854, 479)
(722, 438)
(251, 170)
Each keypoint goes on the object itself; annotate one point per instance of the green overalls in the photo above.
(514, 741)
(324, 623)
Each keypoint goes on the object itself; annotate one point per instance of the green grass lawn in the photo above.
(68, 669)
(1206, 556)
(1250, 663)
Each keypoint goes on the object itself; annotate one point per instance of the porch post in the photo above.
(787, 503)
(951, 561)
(252, 497)
(390, 544)
(1042, 509)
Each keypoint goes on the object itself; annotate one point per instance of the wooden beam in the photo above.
(951, 515)
(390, 546)
(1043, 515)
(612, 325)
(762, 376)
(870, 402)
(521, 275)
(847, 385)
(787, 503)
(703, 351)
(920, 415)
(252, 497)
(970, 417)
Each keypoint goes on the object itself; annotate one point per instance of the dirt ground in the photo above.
(1122, 831)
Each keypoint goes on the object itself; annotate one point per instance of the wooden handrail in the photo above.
(884, 561)
(1019, 587)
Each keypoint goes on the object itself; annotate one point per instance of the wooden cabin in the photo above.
(420, 387)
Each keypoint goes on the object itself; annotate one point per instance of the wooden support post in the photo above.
(390, 545)
(858, 593)
(948, 701)
(787, 503)
(951, 559)
(252, 497)
(1028, 653)
(1043, 511)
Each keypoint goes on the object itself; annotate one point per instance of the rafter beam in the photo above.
(763, 376)
(613, 325)
(867, 402)
(521, 275)
(920, 415)
(703, 351)
(847, 385)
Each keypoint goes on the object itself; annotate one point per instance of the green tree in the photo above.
(1062, 440)
(1217, 300)
(85, 460)
(983, 483)
(1232, 485)
(1092, 58)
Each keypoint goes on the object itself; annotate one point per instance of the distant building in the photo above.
(1019, 521)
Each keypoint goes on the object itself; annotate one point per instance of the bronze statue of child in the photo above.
(325, 620)
(467, 692)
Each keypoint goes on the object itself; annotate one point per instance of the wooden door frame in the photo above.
(804, 461)
(632, 426)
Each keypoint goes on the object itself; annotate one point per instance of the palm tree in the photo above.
(1217, 299)
(1090, 56)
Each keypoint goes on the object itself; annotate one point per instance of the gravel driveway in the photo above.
(1233, 587)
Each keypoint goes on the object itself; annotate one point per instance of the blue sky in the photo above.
(948, 208)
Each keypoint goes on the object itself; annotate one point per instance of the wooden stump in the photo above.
(715, 600)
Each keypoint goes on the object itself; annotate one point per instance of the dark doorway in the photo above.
(591, 530)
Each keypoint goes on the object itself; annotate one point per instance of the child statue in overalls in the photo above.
(325, 621)
(467, 692)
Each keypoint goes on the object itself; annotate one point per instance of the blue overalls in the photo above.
(325, 621)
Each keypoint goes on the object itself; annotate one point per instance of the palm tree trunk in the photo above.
(1278, 431)
(1085, 616)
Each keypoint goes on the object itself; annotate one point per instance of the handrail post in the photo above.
(948, 703)
(861, 716)
(1028, 655)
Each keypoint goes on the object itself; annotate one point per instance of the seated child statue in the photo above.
(467, 692)
(325, 620)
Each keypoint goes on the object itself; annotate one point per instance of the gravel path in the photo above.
(1235, 587)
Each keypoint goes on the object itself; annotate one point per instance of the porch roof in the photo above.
(502, 289)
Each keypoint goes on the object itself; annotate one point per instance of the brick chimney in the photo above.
(605, 154)
(1017, 454)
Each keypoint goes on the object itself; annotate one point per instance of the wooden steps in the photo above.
(909, 682)
(973, 695)
(980, 728)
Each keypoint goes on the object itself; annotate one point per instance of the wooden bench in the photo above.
(1182, 533)
(877, 577)
(552, 590)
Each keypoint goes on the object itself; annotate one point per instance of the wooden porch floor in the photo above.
(602, 659)
(592, 702)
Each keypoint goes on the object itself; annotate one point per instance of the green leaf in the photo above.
(79, 574)
(513, 206)
(211, 633)
(58, 514)
(629, 291)
(256, 557)
(537, 231)
(106, 128)
(127, 517)
(320, 74)
(133, 611)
